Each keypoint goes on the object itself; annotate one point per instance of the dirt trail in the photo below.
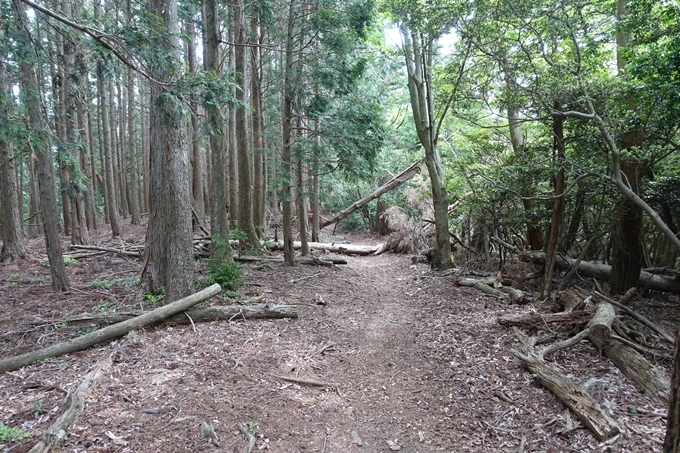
(419, 363)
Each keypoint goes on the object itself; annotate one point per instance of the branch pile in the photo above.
(601, 326)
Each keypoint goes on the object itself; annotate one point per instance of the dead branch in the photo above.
(346, 249)
(132, 253)
(58, 431)
(249, 437)
(306, 381)
(638, 317)
(111, 332)
(538, 320)
(603, 271)
(574, 395)
(645, 375)
(323, 261)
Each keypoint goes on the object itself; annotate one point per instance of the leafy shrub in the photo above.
(12, 434)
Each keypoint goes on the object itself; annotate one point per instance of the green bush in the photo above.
(227, 273)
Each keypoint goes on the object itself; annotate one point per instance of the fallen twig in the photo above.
(249, 437)
(306, 382)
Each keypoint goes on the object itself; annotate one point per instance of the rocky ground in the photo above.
(412, 363)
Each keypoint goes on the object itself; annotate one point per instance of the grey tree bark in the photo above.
(418, 55)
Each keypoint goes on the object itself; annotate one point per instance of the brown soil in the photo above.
(420, 365)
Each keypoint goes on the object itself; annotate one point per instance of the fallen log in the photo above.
(346, 249)
(393, 183)
(516, 295)
(645, 375)
(109, 333)
(131, 253)
(322, 261)
(573, 394)
(483, 287)
(603, 271)
(74, 403)
(197, 314)
(638, 317)
(538, 320)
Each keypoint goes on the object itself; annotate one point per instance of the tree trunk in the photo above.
(11, 234)
(106, 147)
(245, 188)
(44, 165)
(627, 233)
(135, 211)
(286, 157)
(169, 251)
(557, 220)
(219, 222)
(418, 57)
(259, 167)
(197, 158)
(603, 271)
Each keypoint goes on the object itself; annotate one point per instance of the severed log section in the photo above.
(393, 183)
(603, 271)
(644, 374)
(346, 249)
(111, 332)
(196, 314)
(316, 261)
(538, 320)
(573, 394)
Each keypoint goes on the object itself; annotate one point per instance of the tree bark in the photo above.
(169, 250)
(245, 188)
(109, 333)
(195, 314)
(418, 55)
(44, 165)
(259, 166)
(219, 222)
(645, 375)
(11, 233)
(135, 210)
(197, 158)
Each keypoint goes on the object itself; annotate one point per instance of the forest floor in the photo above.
(421, 365)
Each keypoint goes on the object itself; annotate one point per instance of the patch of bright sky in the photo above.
(446, 43)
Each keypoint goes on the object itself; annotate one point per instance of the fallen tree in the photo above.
(196, 314)
(393, 183)
(603, 271)
(109, 333)
(573, 394)
(318, 261)
(644, 374)
(346, 249)
(538, 320)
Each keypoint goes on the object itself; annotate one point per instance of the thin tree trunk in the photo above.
(44, 164)
(219, 223)
(11, 234)
(197, 159)
(288, 93)
(245, 189)
(557, 221)
(259, 179)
